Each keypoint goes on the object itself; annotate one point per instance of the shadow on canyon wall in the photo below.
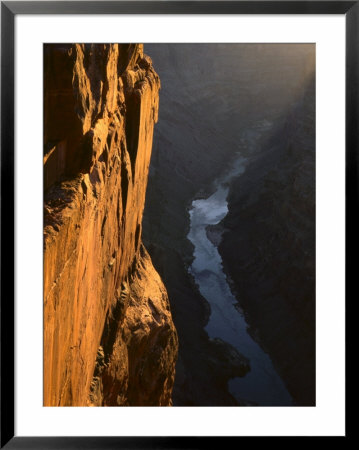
(215, 101)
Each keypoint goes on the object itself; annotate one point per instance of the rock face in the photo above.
(268, 247)
(109, 338)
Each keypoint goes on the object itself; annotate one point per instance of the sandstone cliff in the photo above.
(109, 338)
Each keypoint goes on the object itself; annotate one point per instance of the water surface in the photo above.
(262, 385)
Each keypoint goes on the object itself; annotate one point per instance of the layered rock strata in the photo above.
(109, 338)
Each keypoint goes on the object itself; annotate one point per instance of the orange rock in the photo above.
(101, 104)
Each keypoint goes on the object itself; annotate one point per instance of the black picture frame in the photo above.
(9, 9)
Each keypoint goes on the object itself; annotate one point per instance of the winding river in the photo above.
(262, 385)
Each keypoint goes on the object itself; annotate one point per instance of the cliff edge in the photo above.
(109, 338)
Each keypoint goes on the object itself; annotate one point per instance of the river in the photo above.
(261, 385)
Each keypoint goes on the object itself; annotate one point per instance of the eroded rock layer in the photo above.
(109, 338)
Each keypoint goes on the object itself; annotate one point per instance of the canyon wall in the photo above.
(268, 246)
(109, 338)
(216, 100)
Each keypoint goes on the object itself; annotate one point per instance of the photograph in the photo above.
(179, 224)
